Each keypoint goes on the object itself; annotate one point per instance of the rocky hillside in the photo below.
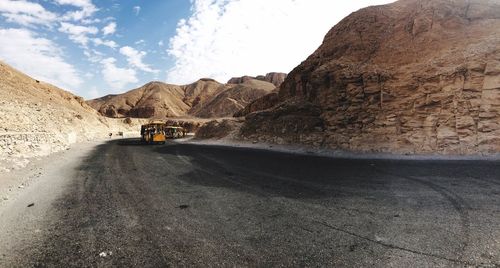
(415, 76)
(196, 95)
(235, 98)
(205, 98)
(273, 78)
(154, 99)
(259, 104)
(37, 119)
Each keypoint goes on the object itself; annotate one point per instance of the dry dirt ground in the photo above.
(35, 171)
(123, 204)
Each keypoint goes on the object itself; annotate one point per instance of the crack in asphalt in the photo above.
(457, 202)
(393, 246)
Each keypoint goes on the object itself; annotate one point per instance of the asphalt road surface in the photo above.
(130, 205)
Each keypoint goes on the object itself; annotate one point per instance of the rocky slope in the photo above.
(154, 99)
(196, 95)
(273, 78)
(217, 129)
(235, 98)
(205, 98)
(263, 103)
(37, 119)
(415, 76)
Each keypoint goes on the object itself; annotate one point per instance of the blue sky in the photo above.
(98, 47)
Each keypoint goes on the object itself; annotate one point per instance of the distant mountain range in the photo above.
(205, 98)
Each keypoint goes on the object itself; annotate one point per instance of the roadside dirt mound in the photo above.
(37, 119)
(415, 76)
(205, 98)
(219, 129)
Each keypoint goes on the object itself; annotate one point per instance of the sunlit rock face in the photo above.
(415, 76)
(273, 78)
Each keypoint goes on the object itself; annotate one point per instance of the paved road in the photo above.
(191, 205)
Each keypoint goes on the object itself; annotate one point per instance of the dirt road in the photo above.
(126, 204)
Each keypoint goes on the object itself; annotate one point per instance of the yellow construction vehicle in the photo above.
(153, 132)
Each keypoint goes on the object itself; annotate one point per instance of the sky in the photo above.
(98, 47)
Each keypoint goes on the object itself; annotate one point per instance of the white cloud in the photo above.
(77, 3)
(160, 44)
(94, 93)
(90, 21)
(77, 33)
(108, 43)
(109, 29)
(134, 58)
(38, 57)
(86, 9)
(248, 37)
(117, 78)
(26, 13)
(137, 10)
(93, 56)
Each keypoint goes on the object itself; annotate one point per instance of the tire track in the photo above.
(457, 203)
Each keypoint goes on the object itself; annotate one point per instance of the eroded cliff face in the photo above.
(273, 78)
(262, 103)
(415, 76)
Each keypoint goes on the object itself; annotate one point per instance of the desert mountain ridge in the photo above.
(275, 78)
(37, 118)
(205, 98)
(414, 76)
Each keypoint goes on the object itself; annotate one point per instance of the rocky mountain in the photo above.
(234, 98)
(37, 119)
(259, 104)
(154, 99)
(414, 76)
(196, 95)
(205, 98)
(274, 78)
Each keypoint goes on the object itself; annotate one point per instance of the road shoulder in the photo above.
(324, 152)
(27, 195)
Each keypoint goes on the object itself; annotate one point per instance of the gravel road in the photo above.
(129, 205)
